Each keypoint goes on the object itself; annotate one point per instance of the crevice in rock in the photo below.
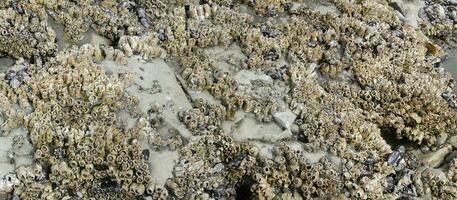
(389, 135)
(243, 190)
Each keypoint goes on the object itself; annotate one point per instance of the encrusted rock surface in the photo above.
(224, 99)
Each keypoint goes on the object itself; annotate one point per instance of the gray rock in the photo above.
(441, 139)
(435, 158)
(453, 141)
(14, 83)
(450, 157)
(285, 119)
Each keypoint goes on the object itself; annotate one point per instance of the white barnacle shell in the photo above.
(133, 41)
(119, 57)
(214, 9)
(8, 182)
(98, 54)
(179, 11)
(193, 13)
(150, 188)
(206, 10)
(109, 53)
(127, 49)
(200, 12)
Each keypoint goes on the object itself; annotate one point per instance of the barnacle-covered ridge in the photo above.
(227, 99)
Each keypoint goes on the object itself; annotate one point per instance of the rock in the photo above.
(285, 119)
(435, 158)
(162, 164)
(440, 140)
(14, 83)
(155, 83)
(245, 77)
(451, 157)
(265, 149)
(250, 129)
(408, 10)
(8, 182)
(96, 39)
(295, 129)
(453, 141)
(314, 157)
(435, 172)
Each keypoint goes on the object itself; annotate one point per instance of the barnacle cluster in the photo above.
(439, 20)
(79, 149)
(109, 18)
(370, 111)
(24, 31)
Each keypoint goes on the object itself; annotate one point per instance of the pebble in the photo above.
(285, 119)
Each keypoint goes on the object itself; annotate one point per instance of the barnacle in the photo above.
(26, 34)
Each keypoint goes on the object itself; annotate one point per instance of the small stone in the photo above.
(441, 139)
(451, 157)
(14, 83)
(295, 129)
(285, 119)
(435, 158)
(401, 149)
(454, 16)
(453, 141)
(96, 39)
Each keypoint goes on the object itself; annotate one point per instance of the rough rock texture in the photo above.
(222, 99)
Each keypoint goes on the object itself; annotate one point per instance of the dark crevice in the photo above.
(302, 138)
(243, 190)
(396, 7)
(390, 136)
(182, 84)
